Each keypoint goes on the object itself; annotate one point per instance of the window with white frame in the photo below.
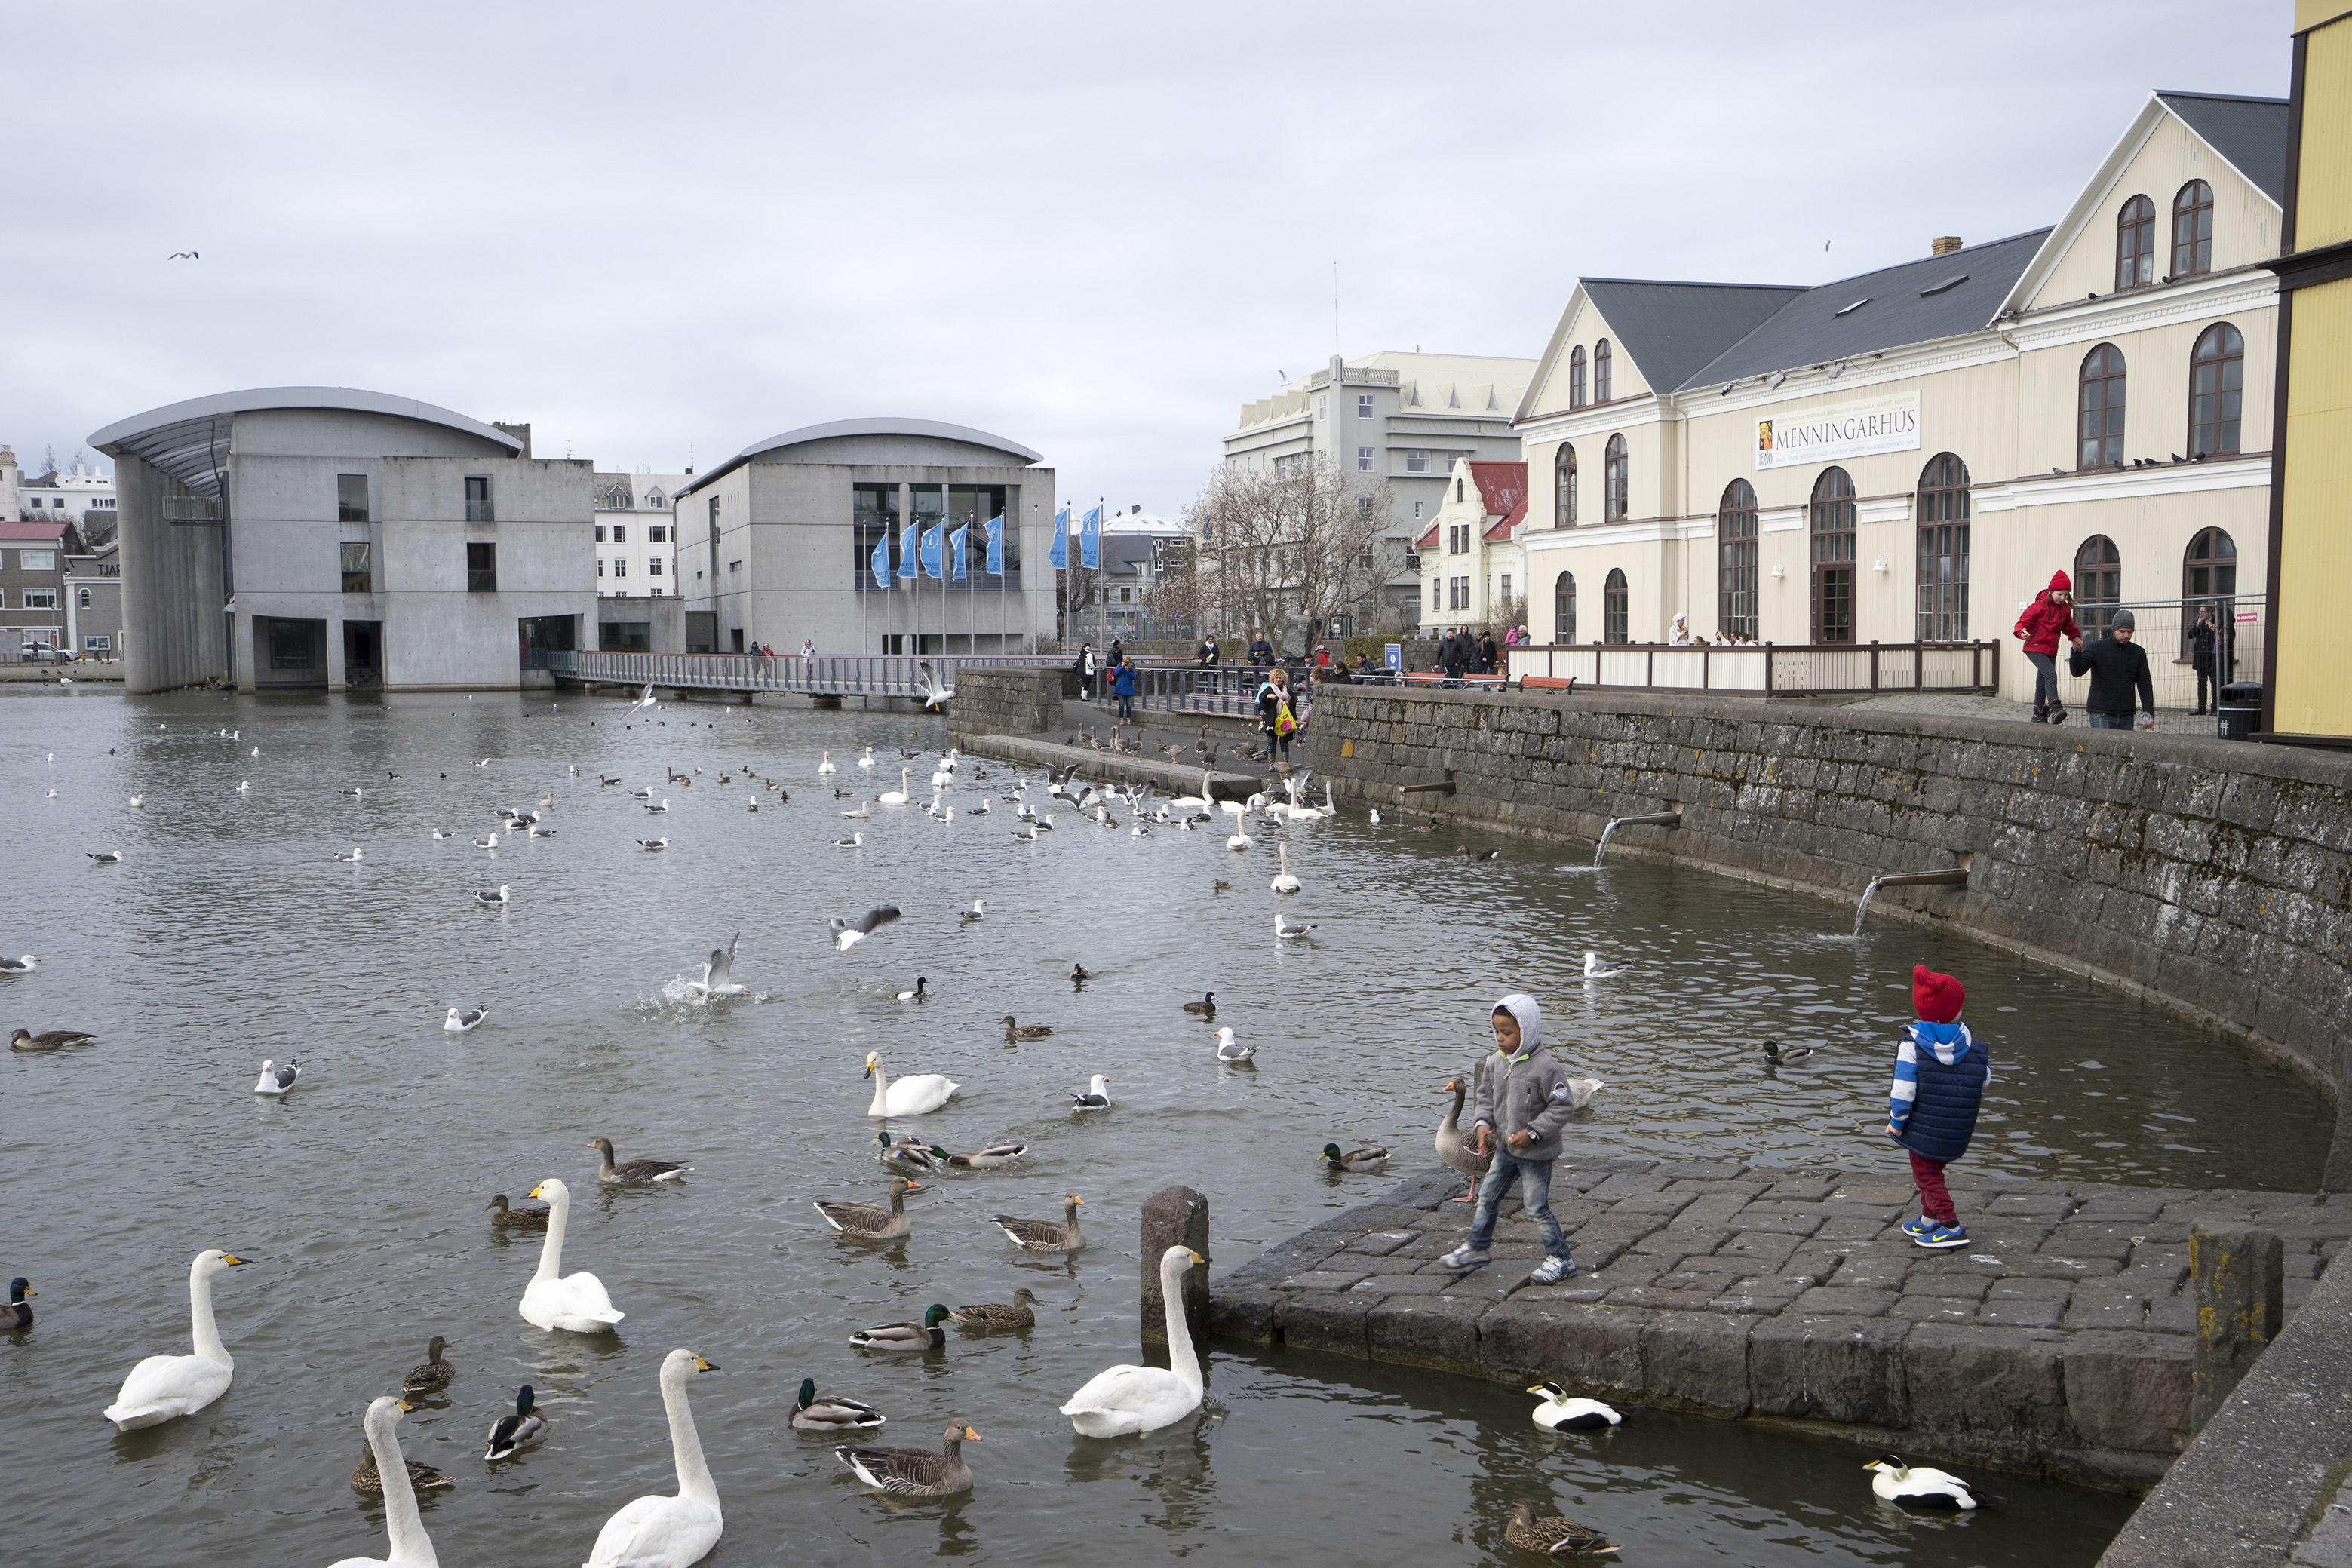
(40, 598)
(1507, 585)
(38, 559)
(1416, 461)
(1363, 406)
(98, 644)
(1416, 509)
(1322, 407)
(657, 533)
(654, 567)
(620, 533)
(600, 566)
(620, 566)
(84, 594)
(600, 533)
(1363, 459)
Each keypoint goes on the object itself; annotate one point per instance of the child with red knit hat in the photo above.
(1941, 1073)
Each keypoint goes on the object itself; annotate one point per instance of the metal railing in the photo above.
(1766, 669)
(871, 674)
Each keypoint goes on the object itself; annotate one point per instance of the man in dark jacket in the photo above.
(1261, 652)
(2201, 655)
(2117, 667)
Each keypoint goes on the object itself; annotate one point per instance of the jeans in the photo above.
(1534, 1177)
(2046, 679)
(1935, 1198)
(1126, 705)
(2111, 721)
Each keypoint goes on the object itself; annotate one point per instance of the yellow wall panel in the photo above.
(2322, 210)
(2314, 653)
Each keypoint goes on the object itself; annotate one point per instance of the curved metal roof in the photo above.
(835, 429)
(189, 440)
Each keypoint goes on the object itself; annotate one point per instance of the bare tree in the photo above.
(1279, 550)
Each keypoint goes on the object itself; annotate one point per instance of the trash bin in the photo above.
(2240, 712)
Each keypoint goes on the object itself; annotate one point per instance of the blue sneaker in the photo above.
(1918, 1225)
(1944, 1236)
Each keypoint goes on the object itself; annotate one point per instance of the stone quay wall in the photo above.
(2208, 875)
(1008, 700)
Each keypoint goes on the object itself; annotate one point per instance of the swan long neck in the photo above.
(694, 1481)
(200, 1317)
(1183, 1359)
(409, 1544)
(550, 1251)
(881, 1106)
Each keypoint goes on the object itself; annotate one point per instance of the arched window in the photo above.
(1563, 607)
(1563, 487)
(1614, 619)
(1943, 511)
(1576, 377)
(1604, 361)
(85, 598)
(2098, 585)
(2217, 379)
(1616, 473)
(2209, 580)
(2135, 244)
(1833, 552)
(2192, 230)
(2099, 422)
(1734, 532)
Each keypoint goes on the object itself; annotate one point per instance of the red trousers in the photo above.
(1934, 1200)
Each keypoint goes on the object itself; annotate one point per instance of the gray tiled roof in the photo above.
(2250, 132)
(1673, 328)
(1808, 330)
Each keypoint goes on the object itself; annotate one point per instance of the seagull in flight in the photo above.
(849, 934)
(185, 255)
(461, 1021)
(644, 700)
(719, 975)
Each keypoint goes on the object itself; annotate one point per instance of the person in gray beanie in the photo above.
(1525, 1100)
(2118, 668)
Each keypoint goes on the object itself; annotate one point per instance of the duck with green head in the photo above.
(1370, 1159)
(1779, 1055)
(512, 1432)
(906, 1337)
(833, 1413)
(18, 1313)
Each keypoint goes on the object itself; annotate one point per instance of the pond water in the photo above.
(229, 933)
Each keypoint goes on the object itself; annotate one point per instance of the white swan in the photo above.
(164, 1388)
(1239, 841)
(896, 797)
(918, 1094)
(1121, 1400)
(1284, 882)
(410, 1547)
(866, 761)
(576, 1301)
(668, 1531)
(825, 765)
(1206, 798)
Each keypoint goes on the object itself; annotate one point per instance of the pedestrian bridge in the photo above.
(824, 675)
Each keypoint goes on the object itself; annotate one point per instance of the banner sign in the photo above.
(1060, 554)
(955, 552)
(1836, 431)
(882, 561)
(931, 551)
(1090, 539)
(996, 546)
(907, 568)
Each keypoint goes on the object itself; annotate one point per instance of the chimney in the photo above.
(519, 432)
(1946, 246)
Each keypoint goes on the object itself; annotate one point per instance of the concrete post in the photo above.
(1178, 1216)
(2237, 1278)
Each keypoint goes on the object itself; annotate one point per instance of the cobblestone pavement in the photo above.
(1972, 705)
(1757, 1289)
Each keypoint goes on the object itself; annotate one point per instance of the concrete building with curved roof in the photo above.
(845, 533)
(285, 537)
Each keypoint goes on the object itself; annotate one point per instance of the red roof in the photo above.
(50, 531)
(1503, 489)
(1427, 540)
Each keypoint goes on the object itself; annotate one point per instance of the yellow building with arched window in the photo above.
(1907, 455)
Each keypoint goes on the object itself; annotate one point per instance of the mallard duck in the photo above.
(1025, 1031)
(1554, 1536)
(1021, 1315)
(915, 1472)
(911, 1156)
(1917, 1485)
(1044, 1235)
(811, 1414)
(1455, 1147)
(637, 1173)
(434, 1375)
(1078, 975)
(16, 1313)
(906, 1337)
(1778, 1055)
(368, 1482)
(993, 1158)
(525, 1427)
(509, 1217)
(1370, 1159)
(1560, 1413)
(867, 1222)
(1206, 1007)
(52, 1039)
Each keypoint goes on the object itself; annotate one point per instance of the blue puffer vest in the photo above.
(1944, 1112)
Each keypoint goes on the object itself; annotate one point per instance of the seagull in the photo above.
(356, 855)
(862, 814)
(849, 934)
(856, 841)
(653, 843)
(1595, 970)
(644, 794)
(935, 696)
(185, 255)
(257, 751)
(489, 844)
(978, 809)
(1284, 926)
(243, 784)
(50, 796)
(139, 802)
(719, 975)
(1096, 1097)
(497, 897)
(104, 857)
(24, 966)
(534, 830)
(1025, 835)
(358, 794)
(644, 700)
(1228, 1050)
(485, 762)
(978, 908)
(276, 1080)
(462, 1021)
(437, 834)
(658, 810)
(1376, 816)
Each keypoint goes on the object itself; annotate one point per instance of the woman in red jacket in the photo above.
(2050, 617)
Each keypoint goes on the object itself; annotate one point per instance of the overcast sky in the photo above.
(1094, 228)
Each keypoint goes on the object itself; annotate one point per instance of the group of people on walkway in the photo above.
(2116, 664)
(1526, 1098)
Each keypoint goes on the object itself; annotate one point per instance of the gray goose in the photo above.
(434, 1375)
(1454, 1145)
(637, 1173)
(1044, 1235)
(915, 1472)
(509, 1217)
(1554, 1537)
(52, 1039)
(867, 1222)
(1021, 1315)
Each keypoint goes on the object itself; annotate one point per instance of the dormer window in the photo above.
(2135, 244)
(2192, 230)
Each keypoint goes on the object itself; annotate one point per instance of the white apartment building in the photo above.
(636, 543)
(65, 495)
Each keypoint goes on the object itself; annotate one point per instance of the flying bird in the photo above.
(718, 973)
(849, 934)
(185, 255)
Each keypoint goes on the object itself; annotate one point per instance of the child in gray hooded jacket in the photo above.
(1525, 1099)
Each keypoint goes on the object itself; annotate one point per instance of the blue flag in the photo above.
(907, 553)
(1090, 539)
(1060, 554)
(955, 548)
(882, 561)
(932, 551)
(996, 546)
